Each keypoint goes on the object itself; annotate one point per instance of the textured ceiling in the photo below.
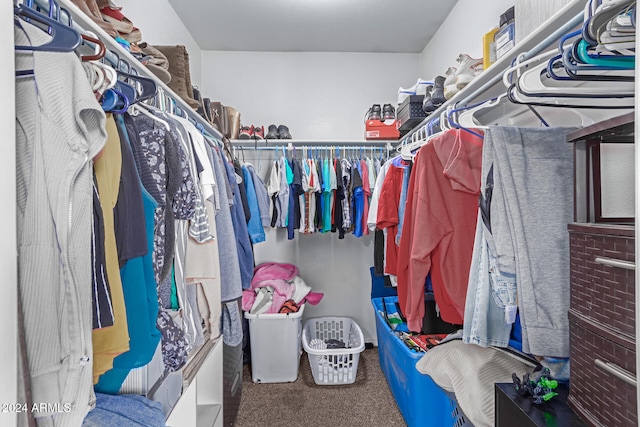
(313, 25)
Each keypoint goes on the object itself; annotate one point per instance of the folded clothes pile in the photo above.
(277, 288)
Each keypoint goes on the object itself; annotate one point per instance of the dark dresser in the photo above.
(602, 306)
(514, 410)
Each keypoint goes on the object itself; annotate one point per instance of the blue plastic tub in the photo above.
(421, 401)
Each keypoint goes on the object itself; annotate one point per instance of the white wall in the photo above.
(318, 95)
(461, 32)
(9, 263)
(160, 25)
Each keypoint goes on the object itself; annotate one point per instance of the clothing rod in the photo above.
(272, 143)
(564, 20)
(83, 23)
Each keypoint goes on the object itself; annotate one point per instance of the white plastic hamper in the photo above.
(334, 366)
(275, 346)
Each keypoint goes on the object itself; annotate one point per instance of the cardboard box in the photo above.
(378, 129)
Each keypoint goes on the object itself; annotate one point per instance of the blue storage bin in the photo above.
(421, 401)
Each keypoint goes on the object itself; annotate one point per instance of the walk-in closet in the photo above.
(357, 213)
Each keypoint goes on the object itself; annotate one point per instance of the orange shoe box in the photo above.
(378, 129)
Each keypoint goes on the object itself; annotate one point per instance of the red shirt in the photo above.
(439, 226)
(388, 215)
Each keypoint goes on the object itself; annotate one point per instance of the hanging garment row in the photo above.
(469, 198)
(323, 192)
(131, 231)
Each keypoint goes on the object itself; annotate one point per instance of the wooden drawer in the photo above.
(603, 275)
(601, 392)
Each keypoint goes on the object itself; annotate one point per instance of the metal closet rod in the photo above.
(567, 18)
(116, 54)
(273, 143)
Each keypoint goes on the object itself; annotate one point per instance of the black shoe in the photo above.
(437, 96)
(375, 112)
(388, 112)
(283, 132)
(427, 105)
(437, 93)
(272, 133)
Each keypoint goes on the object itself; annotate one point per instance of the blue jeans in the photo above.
(403, 202)
(484, 319)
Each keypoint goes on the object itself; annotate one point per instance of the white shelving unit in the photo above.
(201, 402)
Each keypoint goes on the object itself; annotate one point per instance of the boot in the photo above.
(234, 122)
(437, 93)
(427, 105)
(178, 68)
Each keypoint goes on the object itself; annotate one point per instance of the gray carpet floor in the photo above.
(367, 402)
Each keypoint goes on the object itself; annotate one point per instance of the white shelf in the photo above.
(207, 415)
(489, 84)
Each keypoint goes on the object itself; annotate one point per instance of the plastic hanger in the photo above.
(516, 97)
(451, 114)
(141, 108)
(127, 90)
(64, 38)
(147, 87)
(98, 45)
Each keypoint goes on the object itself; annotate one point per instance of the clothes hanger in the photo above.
(531, 83)
(457, 125)
(141, 108)
(146, 88)
(64, 38)
(98, 45)
(516, 97)
(605, 13)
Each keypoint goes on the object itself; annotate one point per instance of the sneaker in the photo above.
(403, 94)
(437, 95)
(427, 105)
(375, 112)
(283, 132)
(468, 69)
(421, 86)
(388, 112)
(272, 133)
(450, 88)
(246, 132)
(258, 132)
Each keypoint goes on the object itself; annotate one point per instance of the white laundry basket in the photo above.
(333, 366)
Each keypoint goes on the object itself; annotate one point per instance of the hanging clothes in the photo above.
(112, 341)
(254, 226)
(439, 226)
(529, 166)
(59, 130)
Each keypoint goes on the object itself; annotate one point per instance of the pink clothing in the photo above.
(273, 270)
(284, 280)
(439, 226)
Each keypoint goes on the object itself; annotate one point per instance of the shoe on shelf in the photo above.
(437, 95)
(246, 132)
(468, 69)
(403, 93)
(272, 132)
(427, 104)
(375, 112)
(258, 132)
(450, 88)
(421, 86)
(388, 112)
(283, 132)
